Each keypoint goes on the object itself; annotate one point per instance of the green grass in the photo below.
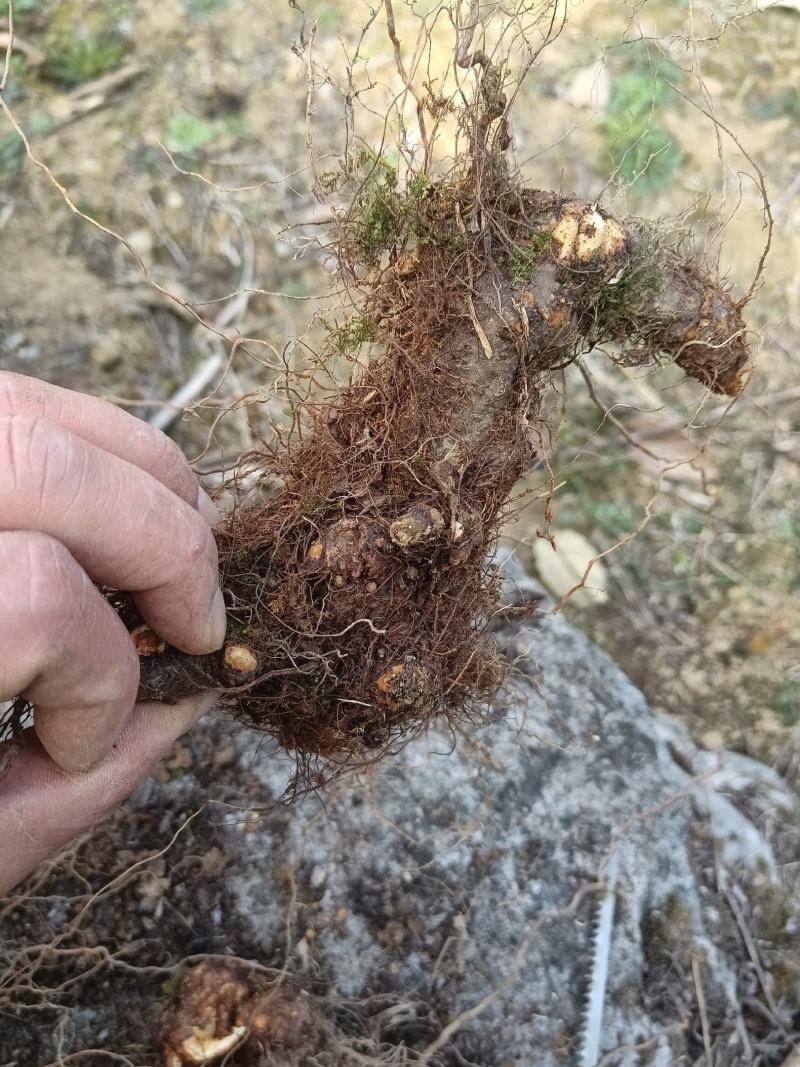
(327, 16)
(11, 155)
(783, 103)
(612, 518)
(643, 154)
(317, 508)
(786, 702)
(188, 133)
(12, 151)
(84, 39)
(198, 9)
(72, 62)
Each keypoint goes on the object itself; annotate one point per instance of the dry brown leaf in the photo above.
(765, 638)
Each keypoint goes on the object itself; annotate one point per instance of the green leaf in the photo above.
(189, 133)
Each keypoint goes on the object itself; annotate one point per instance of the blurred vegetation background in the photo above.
(181, 125)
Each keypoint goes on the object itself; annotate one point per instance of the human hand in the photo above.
(89, 494)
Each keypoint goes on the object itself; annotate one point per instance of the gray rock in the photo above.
(440, 908)
(458, 874)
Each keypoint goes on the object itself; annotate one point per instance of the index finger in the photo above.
(107, 427)
(125, 529)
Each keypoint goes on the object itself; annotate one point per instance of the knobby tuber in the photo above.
(222, 1006)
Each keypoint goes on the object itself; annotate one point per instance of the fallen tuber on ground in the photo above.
(222, 1006)
(359, 593)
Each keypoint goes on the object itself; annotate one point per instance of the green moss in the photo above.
(375, 212)
(524, 257)
(384, 216)
(620, 302)
(418, 188)
(347, 337)
(236, 632)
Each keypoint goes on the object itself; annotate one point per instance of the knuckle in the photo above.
(172, 468)
(40, 585)
(25, 551)
(41, 462)
(25, 446)
(201, 548)
(116, 680)
(47, 574)
(54, 602)
(108, 792)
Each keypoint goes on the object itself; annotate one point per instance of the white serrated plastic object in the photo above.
(595, 1002)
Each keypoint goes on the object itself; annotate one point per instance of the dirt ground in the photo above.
(120, 97)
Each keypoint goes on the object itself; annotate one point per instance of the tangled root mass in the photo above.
(359, 594)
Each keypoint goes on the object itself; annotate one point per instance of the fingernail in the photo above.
(187, 711)
(218, 622)
(207, 508)
(77, 765)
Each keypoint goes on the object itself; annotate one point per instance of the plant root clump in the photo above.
(359, 593)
